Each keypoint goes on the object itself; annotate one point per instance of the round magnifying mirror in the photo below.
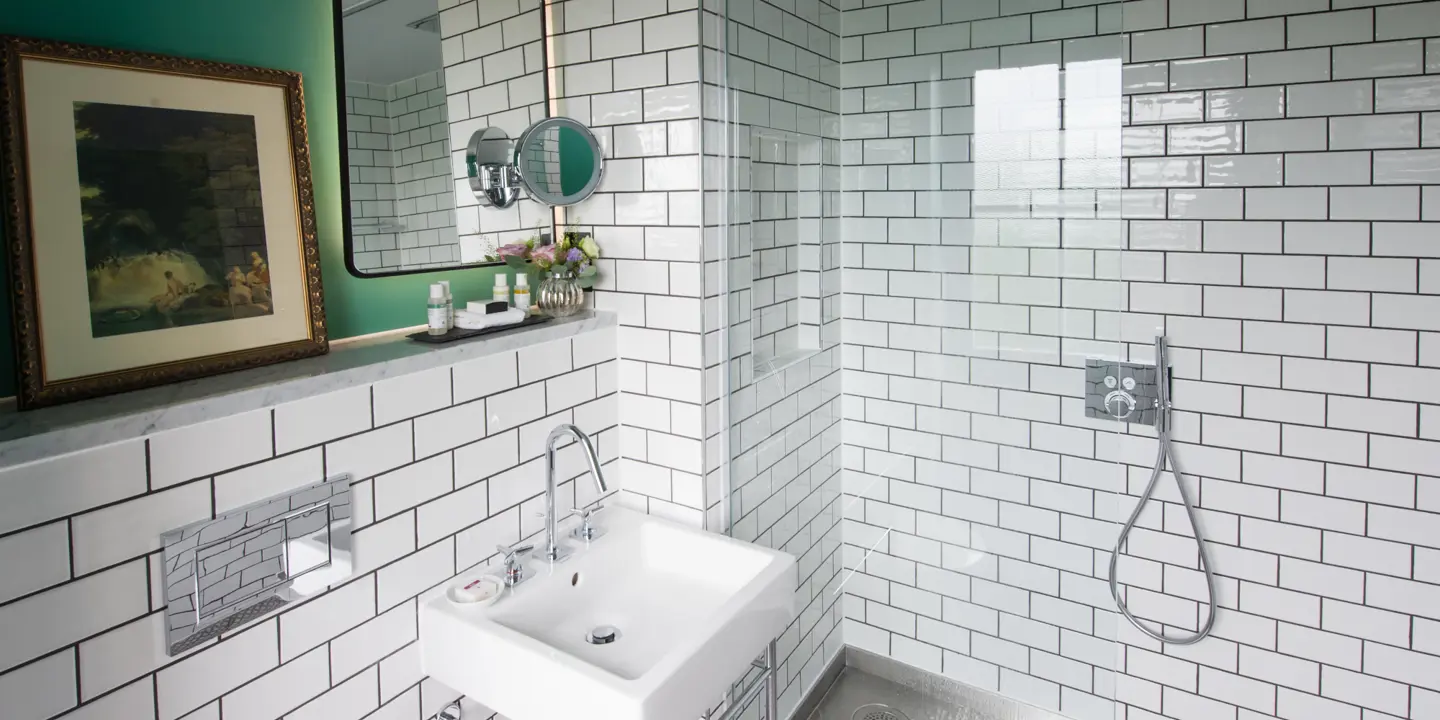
(559, 161)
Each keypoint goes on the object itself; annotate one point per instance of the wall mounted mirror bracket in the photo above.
(558, 162)
(494, 180)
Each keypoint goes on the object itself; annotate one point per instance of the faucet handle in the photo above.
(513, 552)
(587, 531)
(513, 571)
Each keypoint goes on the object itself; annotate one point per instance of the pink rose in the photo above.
(544, 256)
(516, 250)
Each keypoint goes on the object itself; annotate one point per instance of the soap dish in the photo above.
(481, 591)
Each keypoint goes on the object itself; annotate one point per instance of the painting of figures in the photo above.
(174, 226)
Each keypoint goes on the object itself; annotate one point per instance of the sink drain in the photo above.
(878, 712)
(603, 635)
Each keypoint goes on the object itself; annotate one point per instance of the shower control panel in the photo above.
(1126, 392)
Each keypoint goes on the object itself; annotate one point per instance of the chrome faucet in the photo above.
(554, 550)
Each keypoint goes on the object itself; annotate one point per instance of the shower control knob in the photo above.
(1120, 404)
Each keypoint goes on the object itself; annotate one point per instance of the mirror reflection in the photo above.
(402, 198)
(418, 82)
(560, 161)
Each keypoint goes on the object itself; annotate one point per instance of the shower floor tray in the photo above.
(870, 687)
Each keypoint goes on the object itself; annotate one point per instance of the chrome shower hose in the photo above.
(1166, 451)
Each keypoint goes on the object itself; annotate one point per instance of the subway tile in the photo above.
(1407, 94)
(1379, 60)
(1294, 66)
(1375, 203)
(1332, 28)
(326, 617)
(1262, 103)
(41, 689)
(485, 376)
(1167, 44)
(134, 700)
(369, 454)
(1351, 97)
(197, 450)
(34, 560)
(1210, 72)
(368, 643)
(280, 690)
(415, 573)
(1245, 37)
(349, 700)
(133, 528)
(1285, 135)
(1417, 20)
(322, 418)
(264, 479)
(410, 395)
(1374, 132)
(216, 670)
(54, 618)
(39, 492)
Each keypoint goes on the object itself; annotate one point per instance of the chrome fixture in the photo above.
(223, 573)
(554, 550)
(587, 531)
(603, 635)
(557, 161)
(513, 571)
(453, 711)
(493, 179)
(1166, 450)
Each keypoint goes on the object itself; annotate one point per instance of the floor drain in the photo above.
(878, 712)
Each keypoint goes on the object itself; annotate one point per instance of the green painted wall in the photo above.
(285, 34)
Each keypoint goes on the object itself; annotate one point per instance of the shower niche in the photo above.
(785, 262)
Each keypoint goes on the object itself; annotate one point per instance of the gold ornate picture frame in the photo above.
(160, 219)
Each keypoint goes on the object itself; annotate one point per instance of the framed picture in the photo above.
(159, 215)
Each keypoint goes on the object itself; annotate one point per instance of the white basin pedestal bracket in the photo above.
(769, 682)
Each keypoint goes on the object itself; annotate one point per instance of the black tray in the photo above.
(424, 336)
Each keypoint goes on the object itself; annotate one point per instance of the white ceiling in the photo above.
(381, 49)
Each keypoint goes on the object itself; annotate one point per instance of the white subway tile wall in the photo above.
(494, 76)
(630, 71)
(772, 321)
(402, 203)
(83, 632)
(1259, 193)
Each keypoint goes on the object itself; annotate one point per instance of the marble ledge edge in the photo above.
(40, 434)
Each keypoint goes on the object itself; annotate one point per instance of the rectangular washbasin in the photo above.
(690, 610)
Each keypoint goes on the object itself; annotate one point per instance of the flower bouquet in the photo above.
(573, 256)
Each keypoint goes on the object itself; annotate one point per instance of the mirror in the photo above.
(559, 161)
(416, 82)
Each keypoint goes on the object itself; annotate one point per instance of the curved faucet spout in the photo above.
(553, 550)
(591, 457)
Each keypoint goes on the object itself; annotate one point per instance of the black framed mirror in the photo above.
(416, 81)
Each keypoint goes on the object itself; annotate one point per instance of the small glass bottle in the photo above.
(502, 289)
(435, 313)
(522, 291)
(449, 306)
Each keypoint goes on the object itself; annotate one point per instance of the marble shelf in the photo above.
(38, 434)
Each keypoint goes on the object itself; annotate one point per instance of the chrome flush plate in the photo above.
(223, 573)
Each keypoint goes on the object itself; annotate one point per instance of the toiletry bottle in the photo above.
(522, 291)
(502, 290)
(435, 314)
(449, 306)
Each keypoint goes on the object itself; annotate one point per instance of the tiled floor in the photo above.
(856, 689)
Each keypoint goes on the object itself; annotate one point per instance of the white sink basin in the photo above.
(693, 609)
